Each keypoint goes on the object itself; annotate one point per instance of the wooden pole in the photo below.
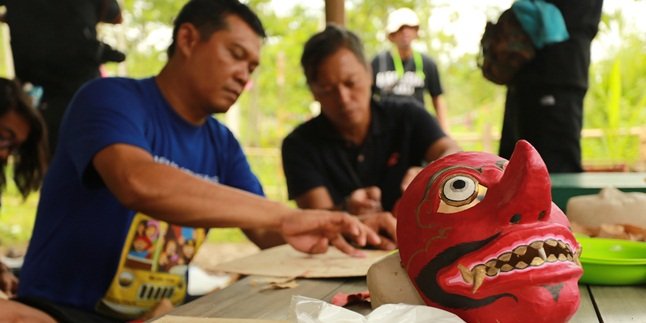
(335, 12)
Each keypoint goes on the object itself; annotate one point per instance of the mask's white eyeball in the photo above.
(459, 190)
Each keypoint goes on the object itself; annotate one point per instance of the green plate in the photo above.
(613, 261)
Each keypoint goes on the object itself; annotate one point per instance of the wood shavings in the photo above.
(275, 283)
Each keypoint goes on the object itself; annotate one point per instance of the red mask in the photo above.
(480, 237)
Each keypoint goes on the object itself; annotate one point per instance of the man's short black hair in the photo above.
(208, 16)
(324, 44)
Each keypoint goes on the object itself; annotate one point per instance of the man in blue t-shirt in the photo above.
(143, 169)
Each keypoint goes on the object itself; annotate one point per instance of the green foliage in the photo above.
(16, 218)
(278, 98)
(143, 12)
(16, 214)
(143, 19)
(615, 102)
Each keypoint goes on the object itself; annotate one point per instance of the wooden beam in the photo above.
(335, 12)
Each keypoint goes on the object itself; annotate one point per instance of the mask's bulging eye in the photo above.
(459, 190)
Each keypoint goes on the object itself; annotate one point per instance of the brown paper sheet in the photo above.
(284, 261)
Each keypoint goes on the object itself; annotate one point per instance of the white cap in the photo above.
(401, 17)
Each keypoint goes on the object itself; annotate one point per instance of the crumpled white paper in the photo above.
(309, 310)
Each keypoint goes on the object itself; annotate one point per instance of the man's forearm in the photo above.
(172, 195)
(181, 198)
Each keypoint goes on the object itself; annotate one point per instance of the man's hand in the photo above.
(409, 176)
(311, 231)
(364, 200)
(386, 225)
(8, 282)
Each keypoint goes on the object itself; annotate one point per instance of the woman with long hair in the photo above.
(23, 137)
(23, 144)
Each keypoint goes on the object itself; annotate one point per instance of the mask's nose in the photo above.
(523, 193)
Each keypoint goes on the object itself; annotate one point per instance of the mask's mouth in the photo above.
(548, 255)
(535, 254)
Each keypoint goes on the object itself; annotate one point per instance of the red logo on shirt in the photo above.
(393, 159)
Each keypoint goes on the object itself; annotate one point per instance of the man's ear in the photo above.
(187, 38)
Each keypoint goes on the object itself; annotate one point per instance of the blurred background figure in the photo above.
(55, 47)
(23, 138)
(544, 103)
(403, 71)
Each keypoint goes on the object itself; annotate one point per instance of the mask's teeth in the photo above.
(467, 276)
(536, 245)
(521, 265)
(505, 257)
(520, 250)
(492, 271)
(506, 267)
(479, 274)
(476, 276)
(537, 261)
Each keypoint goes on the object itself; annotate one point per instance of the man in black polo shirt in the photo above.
(356, 154)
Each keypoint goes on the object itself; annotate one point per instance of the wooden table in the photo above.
(247, 299)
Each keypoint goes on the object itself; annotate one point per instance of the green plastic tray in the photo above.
(613, 261)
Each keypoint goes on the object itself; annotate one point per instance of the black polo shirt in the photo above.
(315, 154)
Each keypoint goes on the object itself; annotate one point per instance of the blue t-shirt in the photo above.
(84, 241)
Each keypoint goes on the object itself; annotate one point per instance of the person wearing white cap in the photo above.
(404, 72)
